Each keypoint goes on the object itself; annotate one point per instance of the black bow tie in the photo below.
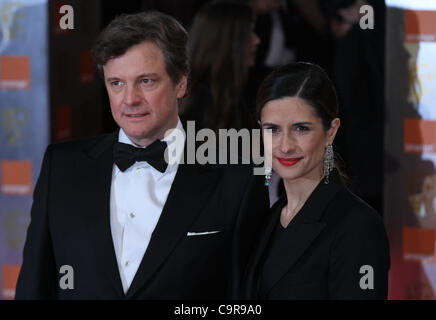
(125, 155)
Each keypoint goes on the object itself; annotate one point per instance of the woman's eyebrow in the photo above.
(303, 123)
(269, 124)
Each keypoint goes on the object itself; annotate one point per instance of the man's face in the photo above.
(142, 96)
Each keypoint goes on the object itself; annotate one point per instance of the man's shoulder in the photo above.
(81, 144)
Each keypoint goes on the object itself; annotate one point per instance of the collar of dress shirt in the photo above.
(175, 140)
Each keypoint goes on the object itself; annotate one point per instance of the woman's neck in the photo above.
(297, 193)
(299, 190)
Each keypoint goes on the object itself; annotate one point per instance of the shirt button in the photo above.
(132, 215)
(126, 264)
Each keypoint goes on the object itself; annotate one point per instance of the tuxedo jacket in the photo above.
(70, 225)
(324, 252)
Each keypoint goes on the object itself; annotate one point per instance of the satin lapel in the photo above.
(97, 172)
(189, 192)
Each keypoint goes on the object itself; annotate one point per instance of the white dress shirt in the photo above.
(136, 201)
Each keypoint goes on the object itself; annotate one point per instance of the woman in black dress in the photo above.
(320, 241)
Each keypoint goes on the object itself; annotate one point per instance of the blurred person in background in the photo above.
(275, 30)
(289, 30)
(222, 48)
(274, 26)
(358, 73)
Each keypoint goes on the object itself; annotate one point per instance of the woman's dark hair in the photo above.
(218, 41)
(128, 30)
(301, 80)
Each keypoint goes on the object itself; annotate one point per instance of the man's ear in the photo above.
(181, 87)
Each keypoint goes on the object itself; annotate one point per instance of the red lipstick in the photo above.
(288, 162)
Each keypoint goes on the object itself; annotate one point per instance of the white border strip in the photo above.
(412, 4)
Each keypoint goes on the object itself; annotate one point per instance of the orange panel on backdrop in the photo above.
(419, 241)
(10, 277)
(420, 26)
(14, 72)
(419, 135)
(16, 177)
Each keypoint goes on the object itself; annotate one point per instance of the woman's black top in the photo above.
(336, 247)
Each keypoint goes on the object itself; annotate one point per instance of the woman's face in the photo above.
(295, 138)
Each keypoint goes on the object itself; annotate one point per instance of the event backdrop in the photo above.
(48, 92)
(410, 145)
(24, 120)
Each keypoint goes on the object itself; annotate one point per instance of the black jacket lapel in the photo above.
(297, 241)
(96, 168)
(301, 232)
(189, 192)
(251, 280)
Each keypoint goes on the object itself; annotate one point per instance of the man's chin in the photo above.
(141, 136)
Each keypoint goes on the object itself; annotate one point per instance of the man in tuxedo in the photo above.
(125, 223)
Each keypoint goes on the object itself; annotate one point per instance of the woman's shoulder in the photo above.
(348, 211)
(359, 249)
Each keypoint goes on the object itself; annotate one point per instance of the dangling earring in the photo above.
(328, 163)
(268, 171)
